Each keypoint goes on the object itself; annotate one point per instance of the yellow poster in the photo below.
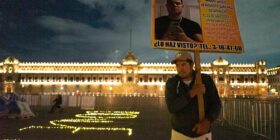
(207, 25)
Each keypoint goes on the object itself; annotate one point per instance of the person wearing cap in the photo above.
(174, 27)
(182, 103)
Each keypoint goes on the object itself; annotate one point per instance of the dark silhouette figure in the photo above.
(57, 104)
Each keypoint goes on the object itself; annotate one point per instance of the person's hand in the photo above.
(170, 34)
(181, 36)
(202, 127)
(197, 89)
(173, 32)
(176, 33)
(167, 36)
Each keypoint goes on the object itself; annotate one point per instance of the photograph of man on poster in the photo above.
(174, 26)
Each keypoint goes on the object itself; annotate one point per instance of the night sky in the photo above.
(98, 31)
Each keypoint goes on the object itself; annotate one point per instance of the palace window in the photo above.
(220, 71)
(129, 79)
(155, 79)
(238, 80)
(263, 80)
(10, 69)
(221, 79)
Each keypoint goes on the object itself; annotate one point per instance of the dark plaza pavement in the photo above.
(148, 126)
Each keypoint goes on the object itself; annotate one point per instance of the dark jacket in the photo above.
(184, 110)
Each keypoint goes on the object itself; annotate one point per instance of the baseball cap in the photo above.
(182, 56)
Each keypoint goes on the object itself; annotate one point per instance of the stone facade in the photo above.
(127, 77)
(274, 80)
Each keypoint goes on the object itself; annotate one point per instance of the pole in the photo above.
(199, 81)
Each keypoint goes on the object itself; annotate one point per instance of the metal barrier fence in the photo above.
(258, 115)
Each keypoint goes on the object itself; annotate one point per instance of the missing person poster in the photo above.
(207, 25)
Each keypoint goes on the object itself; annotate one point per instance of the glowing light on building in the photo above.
(248, 84)
(72, 71)
(129, 71)
(215, 72)
(220, 61)
(151, 83)
(156, 72)
(156, 64)
(205, 65)
(243, 65)
(207, 72)
(130, 59)
(130, 63)
(75, 64)
(129, 76)
(232, 72)
(70, 83)
(91, 117)
(161, 88)
(11, 60)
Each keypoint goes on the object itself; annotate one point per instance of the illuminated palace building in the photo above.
(128, 77)
(274, 79)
